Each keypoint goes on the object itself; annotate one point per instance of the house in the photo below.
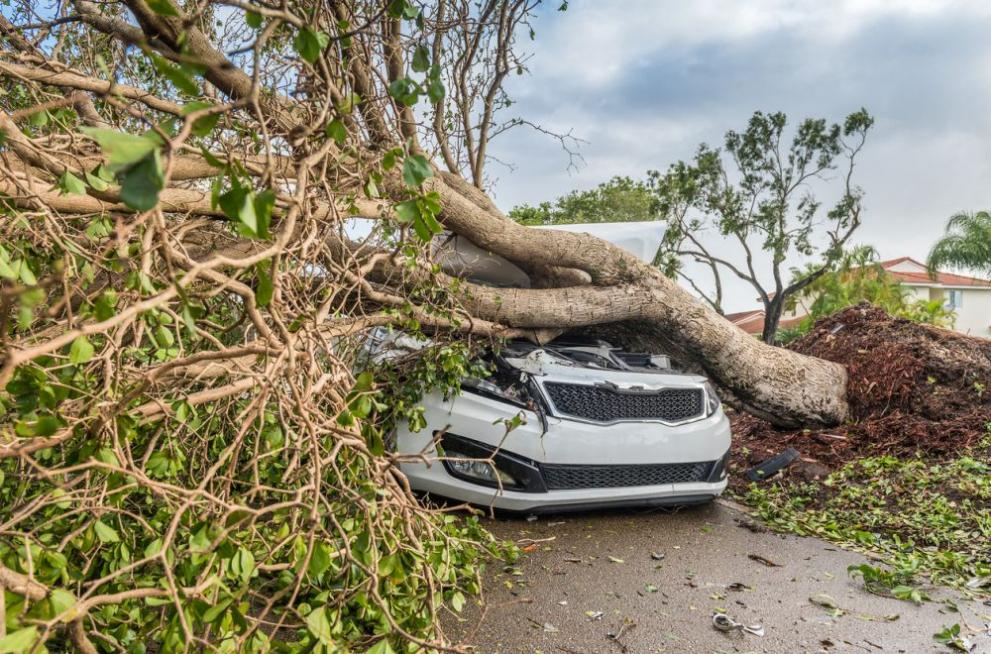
(968, 297)
(752, 321)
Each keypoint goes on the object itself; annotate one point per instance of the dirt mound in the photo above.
(911, 388)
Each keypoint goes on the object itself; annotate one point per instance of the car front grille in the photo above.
(571, 477)
(603, 404)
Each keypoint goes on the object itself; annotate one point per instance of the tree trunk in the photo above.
(772, 319)
(781, 386)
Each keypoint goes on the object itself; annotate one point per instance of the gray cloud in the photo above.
(646, 82)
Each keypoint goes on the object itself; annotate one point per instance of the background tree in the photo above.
(192, 446)
(966, 244)
(858, 277)
(621, 199)
(763, 206)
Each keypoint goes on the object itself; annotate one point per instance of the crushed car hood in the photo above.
(548, 366)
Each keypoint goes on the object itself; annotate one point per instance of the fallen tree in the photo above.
(186, 435)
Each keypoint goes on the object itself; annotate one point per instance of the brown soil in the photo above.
(912, 388)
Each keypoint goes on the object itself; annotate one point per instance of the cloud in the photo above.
(645, 82)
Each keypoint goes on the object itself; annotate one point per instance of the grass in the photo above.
(925, 520)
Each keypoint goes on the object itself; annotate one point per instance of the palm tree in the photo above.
(966, 244)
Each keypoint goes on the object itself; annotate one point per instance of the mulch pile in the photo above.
(912, 388)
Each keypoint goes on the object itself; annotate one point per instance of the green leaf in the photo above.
(381, 647)
(239, 206)
(263, 294)
(81, 351)
(264, 204)
(153, 548)
(389, 159)
(407, 211)
(204, 125)
(140, 184)
(162, 7)
(96, 182)
(105, 532)
(457, 602)
(430, 222)
(416, 169)
(70, 184)
(319, 559)
(253, 19)
(175, 74)
(61, 601)
(216, 611)
(211, 159)
(122, 150)
(319, 625)
(42, 426)
(336, 130)
(24, 272)
(104, 173)
(310, 43)
(243, 564)
(421, 229)
(436, 91)
(7, 271)
(18, 641)
(347, 105)
(164, 337)
(105, 305)
(421, 58)
(403, 9)
(38, 119)
(405, 91)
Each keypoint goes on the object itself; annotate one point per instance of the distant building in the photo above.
(752, 321)
(968, 297)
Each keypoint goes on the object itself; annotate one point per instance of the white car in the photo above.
(571, 426)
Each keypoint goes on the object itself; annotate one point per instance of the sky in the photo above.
(644, 82)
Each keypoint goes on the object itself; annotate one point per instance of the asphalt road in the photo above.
(592, 575)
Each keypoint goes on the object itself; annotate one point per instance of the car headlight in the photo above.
(472, 468)
(711, 399)
(486, 387)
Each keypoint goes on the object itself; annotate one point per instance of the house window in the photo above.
(954, 299)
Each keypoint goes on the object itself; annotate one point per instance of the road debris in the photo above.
(772, 466)
(623, 628)
(657, 556)
(725, 623)
(750, 525)
(764, 561)
(950, 636)
(836, 611)
(978, 582)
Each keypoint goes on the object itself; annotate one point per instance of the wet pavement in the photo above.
(654, 580)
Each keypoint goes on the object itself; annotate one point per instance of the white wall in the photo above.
(974, 317)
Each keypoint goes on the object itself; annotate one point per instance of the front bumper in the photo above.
(564, 443)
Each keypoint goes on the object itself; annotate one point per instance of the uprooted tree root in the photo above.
(912, 388)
